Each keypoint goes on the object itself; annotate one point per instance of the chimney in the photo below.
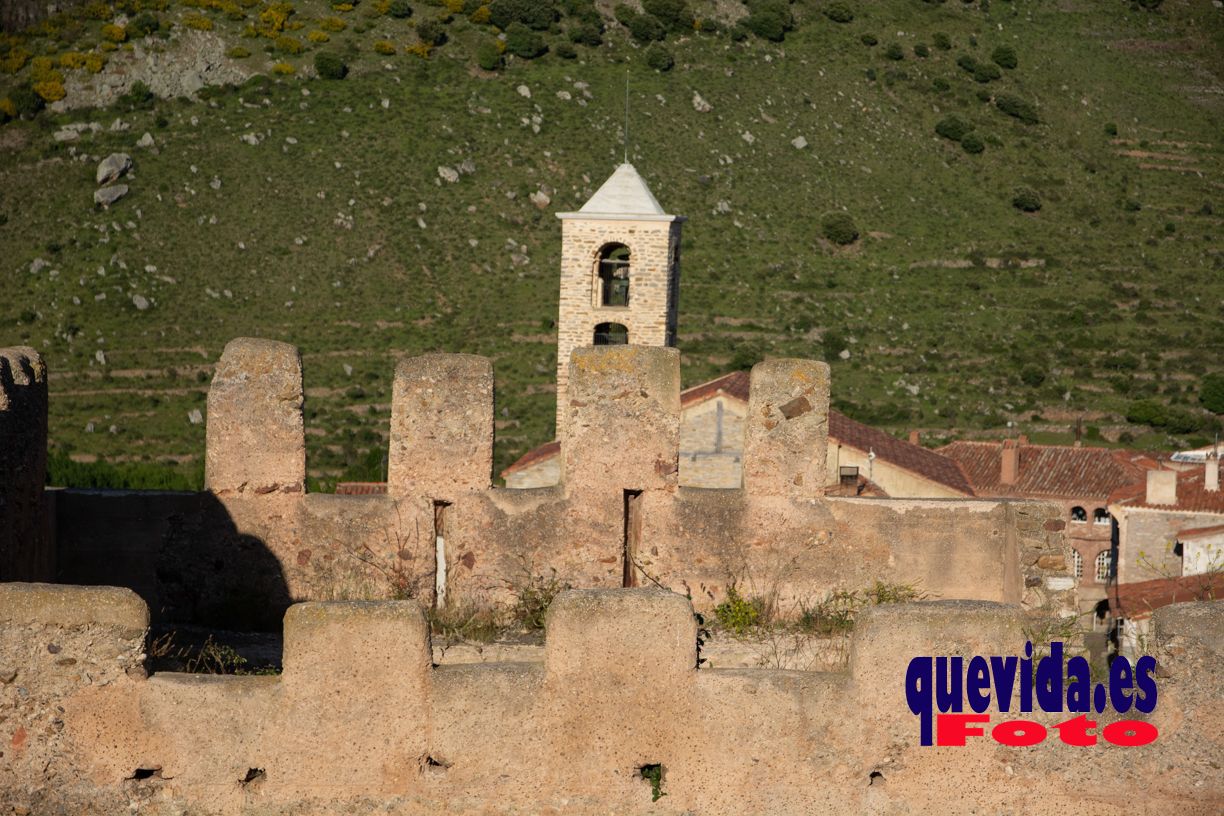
(1211, 477)
(1162, 487)
(914, 438)
(1022, 439)
(1011, 462)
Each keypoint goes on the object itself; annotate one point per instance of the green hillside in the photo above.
(333, 224)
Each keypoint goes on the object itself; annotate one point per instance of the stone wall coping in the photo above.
(67, 605)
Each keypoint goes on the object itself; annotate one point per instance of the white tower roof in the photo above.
(624, 196)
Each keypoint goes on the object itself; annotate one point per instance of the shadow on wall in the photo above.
(182, 553)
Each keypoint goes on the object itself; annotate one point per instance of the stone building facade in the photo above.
(620, 273)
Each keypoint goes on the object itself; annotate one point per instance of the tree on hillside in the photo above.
(1211, 393)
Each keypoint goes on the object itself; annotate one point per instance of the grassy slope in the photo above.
(756, 281)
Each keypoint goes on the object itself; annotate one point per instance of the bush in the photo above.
(488, 56)
(738, 33)
(587, 34)
(288, 45)
(869, 40)
(769, 19)
(283, 69)
(647, 28)
(318, 37)
(430, 32)
(144, 24)
(51, 90)
(952, 127)
(940, 85)
(986, 72)
(139, 97)
(198, 22)
(839, 12)
(942, 41)
(332, 24)
(566, 51)
(238, 52)
(400, 9)
(674, 14)
(1111, 129)
(330, 66)
(1026, 200)
(481, 15)
(1211, 393)
(384, 47)
(26, 103)
(737, 614)
(535, 14)
(894, 52)
(1018, 108)
(972, 143)
(659, 58)
(522, 42)
(1032, 376)
(839, 228)
(967, 63)
(1005, 57)
(921, 50)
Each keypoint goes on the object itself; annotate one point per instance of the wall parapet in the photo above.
(360, 718)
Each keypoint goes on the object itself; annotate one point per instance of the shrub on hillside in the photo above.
(769, 19)
(674, 14)
(522, 42)
(566, 51)
(1005, 57)
(318, 37)
(330, 65)
(26, 103)
(139, 97)
(51, 90)
(587, 34)
(1032, 376)
(972, 143)
(967, 63)
(143, 24)
(288, 45)
(1018, 108)
(647, 28)
(952, 127)
(659, 58)
(986, 72)
(488, 56)
(921, 50)
(1211, 393)
(238, 52)
(535, 14)
(839, 12)
(384, 47)
(869, 40)
(400, 9)
(1111, 129)
(430, 33)
(333, 24)
(895, 52)
(839, 228)
(1026, 200)
(942, 41)
(283, 69)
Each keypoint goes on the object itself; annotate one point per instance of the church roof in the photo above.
(623, 196)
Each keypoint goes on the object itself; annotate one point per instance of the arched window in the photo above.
(614, 275)
(1077, 564)
(1079, 514)
(1104, 565)
(611, 334)
(1100, 516)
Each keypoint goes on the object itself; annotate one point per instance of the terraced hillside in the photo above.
(409, 207)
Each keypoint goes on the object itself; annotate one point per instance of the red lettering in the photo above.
(1117, 733)
(1020, 733)
(951, 729)
(1075, 732)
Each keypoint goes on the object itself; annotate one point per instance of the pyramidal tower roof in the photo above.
(624, 196)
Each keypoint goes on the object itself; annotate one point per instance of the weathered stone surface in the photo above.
(69, 606)
(441, 426)
(106, 196)
(622, 423)
(256, 441)
(786, 441)
(113, 167)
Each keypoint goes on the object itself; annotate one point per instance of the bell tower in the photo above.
(620, 273)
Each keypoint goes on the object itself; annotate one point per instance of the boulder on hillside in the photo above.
(107, 196)
(112, 167)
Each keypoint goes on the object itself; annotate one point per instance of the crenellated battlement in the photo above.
(361, 719)
(236, 553)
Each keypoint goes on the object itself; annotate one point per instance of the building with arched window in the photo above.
(620, 269)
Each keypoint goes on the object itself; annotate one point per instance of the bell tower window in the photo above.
(614, 275)
(610, 334)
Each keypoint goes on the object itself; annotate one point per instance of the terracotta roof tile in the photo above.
(1201, 532)
(1138, 600)
(1048, 471)
(1192, 495)
(914, 458)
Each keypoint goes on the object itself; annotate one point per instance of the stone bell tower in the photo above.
(620, 273)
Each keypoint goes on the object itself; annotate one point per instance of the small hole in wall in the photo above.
(875, 778)
(253, 775)
(653, 773)
(146, 773)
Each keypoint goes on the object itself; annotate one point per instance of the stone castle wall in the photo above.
(361, 720)
(654, 270)
(235, 555)
(26, 553)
